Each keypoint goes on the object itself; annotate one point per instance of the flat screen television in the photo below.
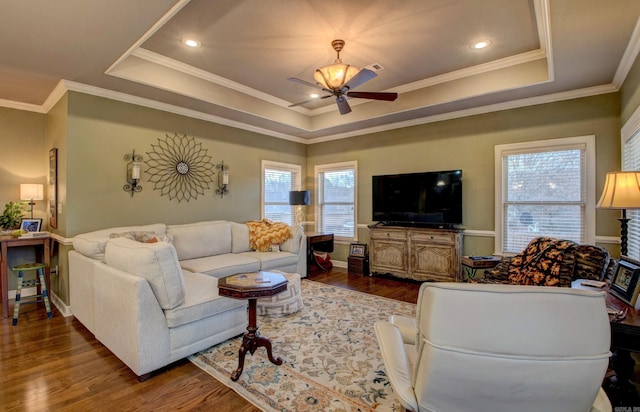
(420, 199)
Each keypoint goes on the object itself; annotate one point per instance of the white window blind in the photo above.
(278, 179)
(337, 199)
(543, 192)
(631, 161)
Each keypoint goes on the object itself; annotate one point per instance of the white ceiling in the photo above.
(541, 50)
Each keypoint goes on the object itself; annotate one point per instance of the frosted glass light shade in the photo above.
(334, 76)
(31, 191)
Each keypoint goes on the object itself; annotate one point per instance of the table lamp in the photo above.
(621, 191)
(31, 192)
(299, 198)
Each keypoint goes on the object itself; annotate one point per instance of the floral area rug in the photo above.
(330, 353)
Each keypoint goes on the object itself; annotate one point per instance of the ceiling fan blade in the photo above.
(308, 101)
(343, 106)
(364, 75)
(374, 95)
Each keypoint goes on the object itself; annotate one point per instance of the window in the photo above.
(336, 200)
(277, 180)
(545, 188)
(631, 161)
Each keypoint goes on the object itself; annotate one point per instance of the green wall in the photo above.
(630, 92)
(468, 144)
(102, 131)
(92, 135)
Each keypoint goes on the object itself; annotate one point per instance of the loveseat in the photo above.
(149, 293)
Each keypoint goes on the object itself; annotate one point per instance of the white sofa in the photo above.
(154, 303)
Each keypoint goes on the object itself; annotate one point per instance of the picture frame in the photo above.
(31, 225)
(624, 283)
(357, 250)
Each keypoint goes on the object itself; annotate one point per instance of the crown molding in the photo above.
(629, 56)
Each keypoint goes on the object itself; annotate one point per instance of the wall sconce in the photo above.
(223, 179)
(134, 170)
(31, 192)
(299, 198)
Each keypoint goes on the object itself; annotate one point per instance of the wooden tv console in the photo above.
(416, 253)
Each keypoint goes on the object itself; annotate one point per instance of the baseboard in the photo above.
(55, 300)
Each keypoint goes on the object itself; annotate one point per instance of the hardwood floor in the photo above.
(57, 365)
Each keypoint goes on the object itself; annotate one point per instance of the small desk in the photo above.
(625, 338)
(252, 286)
(7, 242)
(320, 242)
(471, 265)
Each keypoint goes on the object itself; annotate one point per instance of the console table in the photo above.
(9, 242)
(416, 253)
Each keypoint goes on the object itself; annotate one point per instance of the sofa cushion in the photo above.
(239, 237)
(156, 262)
(195, 240)
(273, 260)
(201, 301)
(222, 265)
(93, 244)
(293, 244)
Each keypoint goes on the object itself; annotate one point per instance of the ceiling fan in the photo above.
(339, 79)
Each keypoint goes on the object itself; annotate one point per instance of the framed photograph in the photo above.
(31, 225)
(357, 250)
(624, 283)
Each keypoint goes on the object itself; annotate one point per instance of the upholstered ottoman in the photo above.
(285, 303)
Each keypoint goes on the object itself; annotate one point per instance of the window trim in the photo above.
(328, 167)
(289, 167)
(588, 141)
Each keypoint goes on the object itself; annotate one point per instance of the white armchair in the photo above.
(499, 348)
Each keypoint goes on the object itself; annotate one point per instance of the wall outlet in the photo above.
(59, 208)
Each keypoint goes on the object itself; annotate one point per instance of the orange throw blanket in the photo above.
(263, 234)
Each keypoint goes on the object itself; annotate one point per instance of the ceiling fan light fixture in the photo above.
(334, 76)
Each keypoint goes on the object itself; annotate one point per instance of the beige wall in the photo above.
(468, 144)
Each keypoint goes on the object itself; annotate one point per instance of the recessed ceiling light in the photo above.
(314, 95)
(480, 44)
(191, 42)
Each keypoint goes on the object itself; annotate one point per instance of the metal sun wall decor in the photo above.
(179, 167)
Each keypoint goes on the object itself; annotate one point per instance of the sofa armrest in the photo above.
(129, 320)
(302, 256)
(396, 362)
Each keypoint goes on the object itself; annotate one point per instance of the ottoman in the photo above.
(284, 303)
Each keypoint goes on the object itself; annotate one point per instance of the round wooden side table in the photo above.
(252, 286)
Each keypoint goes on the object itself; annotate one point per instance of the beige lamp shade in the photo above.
(621, 191)
(31, 191)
